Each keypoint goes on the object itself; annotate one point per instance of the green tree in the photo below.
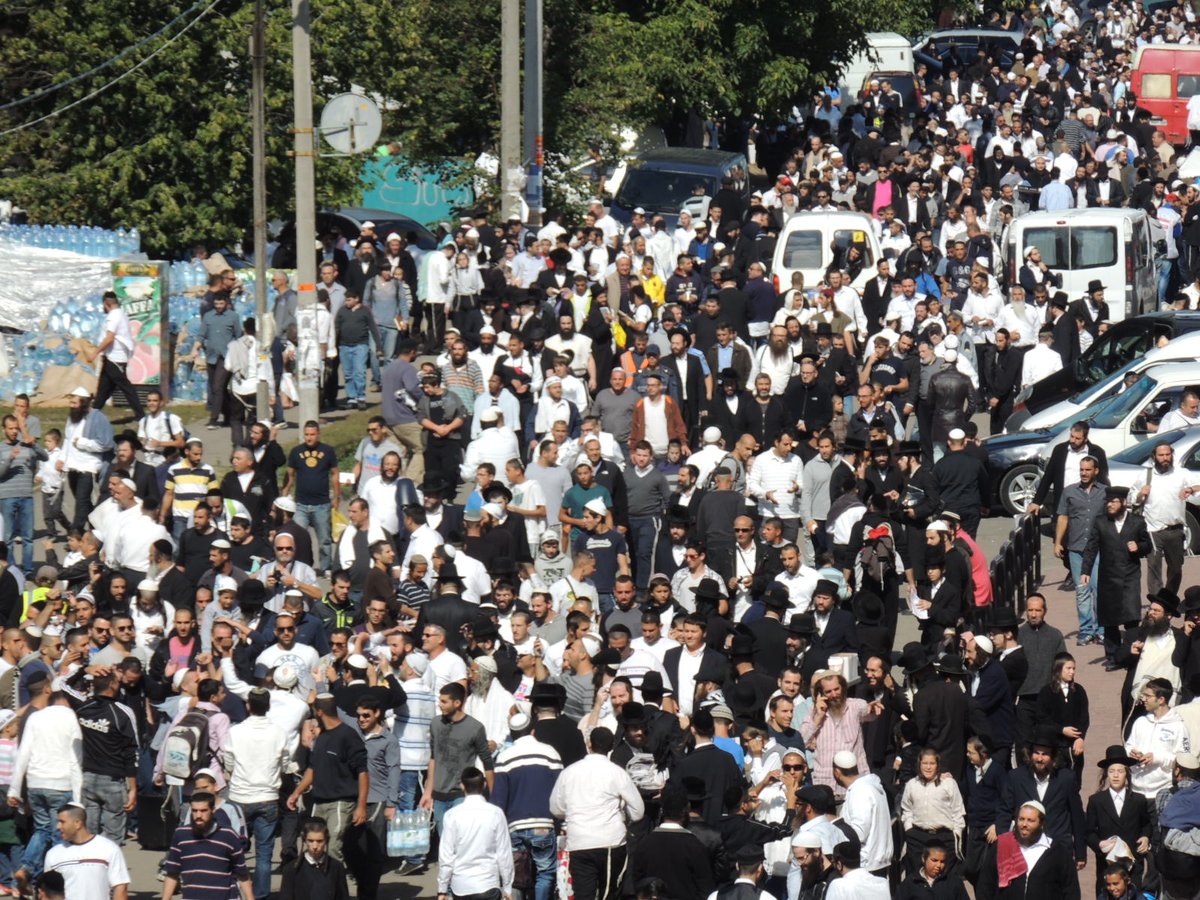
(168, 147)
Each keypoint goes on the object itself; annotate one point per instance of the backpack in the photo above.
(186, 749)
(877, 558)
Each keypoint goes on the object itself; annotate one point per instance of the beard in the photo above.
(480, 687)
(1028, 841)
(78, 415)
(1155, 629)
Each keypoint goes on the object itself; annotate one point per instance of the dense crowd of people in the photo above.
(620, 594)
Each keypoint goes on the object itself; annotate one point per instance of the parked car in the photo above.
(958, 48)
(1184, 347)
(904, 83)
(1128, 468)
(663, 182)
(807, 241)
(884, 50)
(348, 222)
(1109, 245)
(1117, 346)
(1165, 77)
(1133, 415)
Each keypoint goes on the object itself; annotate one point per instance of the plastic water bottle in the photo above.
(135, 240)
(422, 841)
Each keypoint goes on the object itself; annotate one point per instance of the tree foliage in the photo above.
(168, 148)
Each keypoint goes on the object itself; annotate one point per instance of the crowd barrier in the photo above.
(1016, 569)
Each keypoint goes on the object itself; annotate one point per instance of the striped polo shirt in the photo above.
(190, 486)
(209, 866)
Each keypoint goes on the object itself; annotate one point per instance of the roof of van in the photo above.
(1042, 216)
(993, 33)
(1163, 48)
(886, 38)
(1187, 343)
(690, 156)
(1185, 372)
(846, 215)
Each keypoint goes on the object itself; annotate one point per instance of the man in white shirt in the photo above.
(596, 799)
(1185, 415)
(256, 757)
(92, 866)
(475, 854)
(1155, 740)
(799, 579)
(1042, 361)
(115, 345)
(1164, 492)
(865, 809)
(853, 882)
(1021, 319)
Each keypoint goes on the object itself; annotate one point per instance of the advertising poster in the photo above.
(142, 289)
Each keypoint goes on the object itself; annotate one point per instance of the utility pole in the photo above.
(306, 215)
(258, 115)
(534, 153)
(510, 108)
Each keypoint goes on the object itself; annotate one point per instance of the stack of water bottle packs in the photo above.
(62, 259)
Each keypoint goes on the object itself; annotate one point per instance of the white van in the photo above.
(806, 245)
(1109, 245)
(886, 51)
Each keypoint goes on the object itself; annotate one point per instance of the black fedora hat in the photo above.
(1047, 735)
(741, 645)
(1116, 755)
(776, 596)
(504, 565)
(909, 448)
(496, 489)
(802, 625)
(712, 669)
(913, 659)
(1003, 619)
(1167, 599)
(434, 484)
(868, 608)
(1191, 600)
(652, 686)
(853, 445)
(545, 693)
(1095, 285)
(483, 628)
(633, 714)
(950, 664)
(449, 572)
(708, 589)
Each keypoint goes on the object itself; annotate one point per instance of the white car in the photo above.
(1133, 416)
(1184, 347)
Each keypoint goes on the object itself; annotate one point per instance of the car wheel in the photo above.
(1018, 486)
(1191, 534)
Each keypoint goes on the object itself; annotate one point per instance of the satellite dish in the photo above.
(351, 123)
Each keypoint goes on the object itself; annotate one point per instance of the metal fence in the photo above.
(1016, 569)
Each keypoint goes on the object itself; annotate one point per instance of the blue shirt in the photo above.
(312, 465)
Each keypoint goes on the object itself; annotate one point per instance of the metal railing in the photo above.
(1016, 569)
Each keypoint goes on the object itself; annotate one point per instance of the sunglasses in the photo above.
(743, 529)
(800, 768)
(283, 629)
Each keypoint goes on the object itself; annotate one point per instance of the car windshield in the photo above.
(657, 190)
(1105, 387)
(1112, 412)
(1139, 454)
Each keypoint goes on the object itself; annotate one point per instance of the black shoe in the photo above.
(1067, 585)
(1110, 665)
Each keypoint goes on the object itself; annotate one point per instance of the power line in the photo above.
(100, 90)
(37, 95)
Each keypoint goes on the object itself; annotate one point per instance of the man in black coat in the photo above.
(718, 510)
(1093, 308)
(1054, 479)
(1066, 334)
(769, 633)
(450, 611)
(672, 853)
(1053, 873)
(1132, 824)
(962, 482)
(940, 708)
(729, 399)
(1064, 812)
(710, 764)
(1003, 379)
(143, 475)
(804, 646)
(877, 686)
(835, 625)
(1121, 541)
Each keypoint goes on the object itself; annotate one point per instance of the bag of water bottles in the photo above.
(408, 834)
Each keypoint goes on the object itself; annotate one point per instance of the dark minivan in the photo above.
(663, 182)
(1117, 346)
